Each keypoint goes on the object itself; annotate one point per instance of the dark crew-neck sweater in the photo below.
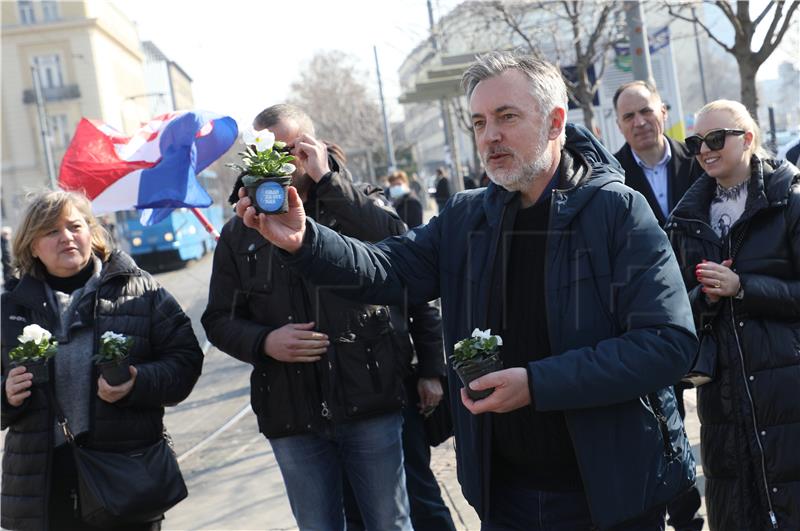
(529, 448)
(70, 284)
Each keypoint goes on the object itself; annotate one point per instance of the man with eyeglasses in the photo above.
(659, 168)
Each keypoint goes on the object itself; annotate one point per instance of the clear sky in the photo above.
(243, 54)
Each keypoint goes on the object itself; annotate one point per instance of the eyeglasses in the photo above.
(714, 140)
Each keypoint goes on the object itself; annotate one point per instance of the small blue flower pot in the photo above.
(269, 195)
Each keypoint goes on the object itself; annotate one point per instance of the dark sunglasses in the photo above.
(714, 140)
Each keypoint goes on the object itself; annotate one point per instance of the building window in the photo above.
(49, 10)
(26, 15)
(49, 67)
(59, 131)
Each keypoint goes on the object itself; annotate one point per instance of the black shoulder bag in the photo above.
(124, 488)
(438, 424)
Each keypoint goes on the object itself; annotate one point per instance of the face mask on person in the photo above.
(397, 190)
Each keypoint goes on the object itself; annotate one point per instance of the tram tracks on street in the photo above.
(232, 420)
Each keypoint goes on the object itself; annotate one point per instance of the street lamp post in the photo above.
(44, 125)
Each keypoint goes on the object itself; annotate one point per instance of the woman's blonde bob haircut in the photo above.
(742, 119)
(43, 213)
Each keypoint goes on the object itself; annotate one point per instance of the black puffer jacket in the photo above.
(750, 411)
(252, 293)
(165, 352)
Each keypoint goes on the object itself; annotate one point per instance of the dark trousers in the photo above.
(63, 510)
(428, 510)
(521, 509)
(683, 509)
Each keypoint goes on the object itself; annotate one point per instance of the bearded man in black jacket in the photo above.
(327, 380)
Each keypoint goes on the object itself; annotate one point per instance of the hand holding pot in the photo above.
(113, 393)
(511, 392)
(18, 386)
(282, 230)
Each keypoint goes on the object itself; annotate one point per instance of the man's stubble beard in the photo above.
(528, 172)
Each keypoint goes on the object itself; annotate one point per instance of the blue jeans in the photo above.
(428, 510)
(515, 508)
(369, 452)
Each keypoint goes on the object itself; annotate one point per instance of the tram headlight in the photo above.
(137, 241)
(168, 236)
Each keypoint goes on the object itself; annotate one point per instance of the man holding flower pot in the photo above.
(570, 268)
(327, 381)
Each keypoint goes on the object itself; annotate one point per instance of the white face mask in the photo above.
(397, 190)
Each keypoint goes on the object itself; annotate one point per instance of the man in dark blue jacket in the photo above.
(571, 268)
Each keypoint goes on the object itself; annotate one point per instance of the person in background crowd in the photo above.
(469, 183)
(418, 188)
(443, 192)
(736, 233)
(5, 255)
(405, 202)
(581, 430)
(327, 381)
(74, 285)
(661, 169)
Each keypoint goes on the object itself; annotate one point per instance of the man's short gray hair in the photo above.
(270, 116)
(546, 84)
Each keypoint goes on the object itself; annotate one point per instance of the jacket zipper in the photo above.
(772, 517)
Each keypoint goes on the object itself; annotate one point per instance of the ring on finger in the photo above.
(718, 284)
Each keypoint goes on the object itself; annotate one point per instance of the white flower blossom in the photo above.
(263, 140)
(482, 334)
(111, 337)
(34, 333)
(287, 169)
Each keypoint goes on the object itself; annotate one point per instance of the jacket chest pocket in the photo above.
(369, 375)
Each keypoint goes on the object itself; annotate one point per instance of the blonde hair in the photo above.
(741, 118)
(44, 211)
(398, 175)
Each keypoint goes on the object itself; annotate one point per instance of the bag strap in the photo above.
(60, 418)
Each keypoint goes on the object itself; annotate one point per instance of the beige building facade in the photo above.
(88, 57)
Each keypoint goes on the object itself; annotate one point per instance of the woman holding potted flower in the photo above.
(76, 288)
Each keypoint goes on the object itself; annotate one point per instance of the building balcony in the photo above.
(64, 92)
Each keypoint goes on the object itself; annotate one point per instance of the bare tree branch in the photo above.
(758, 19)
(703, 26)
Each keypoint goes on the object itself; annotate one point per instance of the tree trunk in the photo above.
(747, 78)
(584, 95)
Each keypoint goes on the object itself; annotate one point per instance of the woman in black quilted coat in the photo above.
(736, 233)
(75, 287)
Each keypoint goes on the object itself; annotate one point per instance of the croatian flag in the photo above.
(155, 170)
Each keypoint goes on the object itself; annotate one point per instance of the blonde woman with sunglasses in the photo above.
(736, 234)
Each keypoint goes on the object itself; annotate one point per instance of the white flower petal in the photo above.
(499, 341)
(264, 140)
(249, 137)
(287, 169)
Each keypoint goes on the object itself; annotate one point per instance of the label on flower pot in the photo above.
(270, 196)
